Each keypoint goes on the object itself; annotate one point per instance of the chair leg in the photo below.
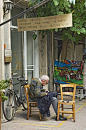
(28, 112)
(62, 110)
(40, 115)
(74, 112)
(58, 112)
(30, 109)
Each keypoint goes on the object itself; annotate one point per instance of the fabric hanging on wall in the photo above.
(70, 51)
(42, 55)
(78, 53)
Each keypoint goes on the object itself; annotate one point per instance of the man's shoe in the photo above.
(61, 118)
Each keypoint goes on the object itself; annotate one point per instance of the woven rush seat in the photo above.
(31, 100)
(66, 101)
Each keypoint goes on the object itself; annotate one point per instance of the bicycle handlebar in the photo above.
(19, 78)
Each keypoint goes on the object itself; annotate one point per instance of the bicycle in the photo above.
(10, 105)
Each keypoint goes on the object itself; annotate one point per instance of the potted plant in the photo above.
(3, 85)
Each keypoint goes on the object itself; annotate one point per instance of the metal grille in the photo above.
(31, 14)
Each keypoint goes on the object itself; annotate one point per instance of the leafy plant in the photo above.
(34, 36)
(3, 85)
(59, 7)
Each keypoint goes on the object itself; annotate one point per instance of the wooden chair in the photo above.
(67, 102)
(31, 104)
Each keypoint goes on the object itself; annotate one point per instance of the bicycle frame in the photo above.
(13, 100)
(21, 80)
(19, 99)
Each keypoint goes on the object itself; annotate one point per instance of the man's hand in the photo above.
(46, 93)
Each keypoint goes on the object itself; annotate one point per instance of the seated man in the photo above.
(44, 96)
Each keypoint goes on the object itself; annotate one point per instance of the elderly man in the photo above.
(44, 97)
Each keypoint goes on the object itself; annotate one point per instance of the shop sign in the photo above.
(7, 55)
(43, 23)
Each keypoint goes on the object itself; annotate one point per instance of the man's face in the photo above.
(44, 82)
(47, 81)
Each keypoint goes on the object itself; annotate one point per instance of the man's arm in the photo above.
(38, 91)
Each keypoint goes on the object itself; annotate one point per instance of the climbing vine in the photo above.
(59, 7)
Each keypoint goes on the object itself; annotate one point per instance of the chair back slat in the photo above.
(68, 93)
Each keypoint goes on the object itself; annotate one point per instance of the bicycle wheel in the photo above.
(18, 103)
(9, 106)
(24, 99)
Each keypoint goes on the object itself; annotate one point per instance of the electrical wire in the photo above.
(27, 10)
(19, 2)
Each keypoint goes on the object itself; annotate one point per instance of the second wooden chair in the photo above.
(67, 102)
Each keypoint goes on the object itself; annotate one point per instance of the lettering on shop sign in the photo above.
(42, 23)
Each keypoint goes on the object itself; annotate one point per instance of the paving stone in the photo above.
(21, 123)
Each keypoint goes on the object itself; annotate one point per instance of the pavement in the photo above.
(20, 121)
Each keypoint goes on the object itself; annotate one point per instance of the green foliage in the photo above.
(59, 7)
(3, 85)
(56, 2)
(34, 36)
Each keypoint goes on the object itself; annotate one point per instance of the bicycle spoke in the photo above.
(9, 106)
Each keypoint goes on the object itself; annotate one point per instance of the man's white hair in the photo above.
(44, 77)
